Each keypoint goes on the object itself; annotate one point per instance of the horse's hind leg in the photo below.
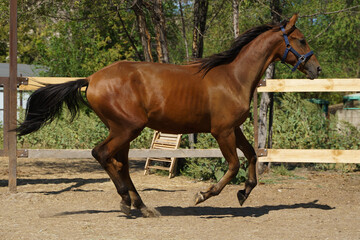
(104, 153)
(112, 154)
(122, 158)
(249, 152)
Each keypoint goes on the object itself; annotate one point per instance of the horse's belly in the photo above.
(180, 123)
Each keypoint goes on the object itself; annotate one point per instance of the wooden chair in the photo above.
(163, 141)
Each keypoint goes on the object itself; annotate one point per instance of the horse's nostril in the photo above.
(319, 70)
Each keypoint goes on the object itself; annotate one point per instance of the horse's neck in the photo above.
(252, 61)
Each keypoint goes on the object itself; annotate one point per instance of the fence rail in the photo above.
(272, 85)
(316, 85)
(272, 155)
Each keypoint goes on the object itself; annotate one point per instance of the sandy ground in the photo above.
(74, 199)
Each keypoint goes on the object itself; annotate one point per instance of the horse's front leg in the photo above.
(243, 144)
(227, 143)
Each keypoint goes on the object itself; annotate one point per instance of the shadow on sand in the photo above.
(224, 212)
(161, 190)
(76, 183)
(210, 212)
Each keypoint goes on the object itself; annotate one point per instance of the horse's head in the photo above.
(295, 50)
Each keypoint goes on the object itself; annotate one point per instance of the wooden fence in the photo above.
(310, 155)
(272, 155)
(265, 155)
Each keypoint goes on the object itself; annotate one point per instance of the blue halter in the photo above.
(300, 58)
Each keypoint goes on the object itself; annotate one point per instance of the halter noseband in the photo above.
(300, 58)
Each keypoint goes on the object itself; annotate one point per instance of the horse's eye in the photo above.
(302, 41)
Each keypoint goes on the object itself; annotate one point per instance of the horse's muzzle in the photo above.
(312, 71)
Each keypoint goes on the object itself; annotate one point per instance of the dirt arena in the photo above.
(74, 199)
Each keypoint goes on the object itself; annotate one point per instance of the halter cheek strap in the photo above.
(289, 48)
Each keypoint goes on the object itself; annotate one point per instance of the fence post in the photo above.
(11, 99)
(256, 124)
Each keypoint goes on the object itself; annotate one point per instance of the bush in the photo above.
(301, 124)
(84, 132)
(143, 140)
(209, 168)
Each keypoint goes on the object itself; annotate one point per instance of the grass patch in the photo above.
(269, 181)
(282, 170)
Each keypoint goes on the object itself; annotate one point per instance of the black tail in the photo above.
(46, 103)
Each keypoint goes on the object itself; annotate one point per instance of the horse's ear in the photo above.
(291, 22)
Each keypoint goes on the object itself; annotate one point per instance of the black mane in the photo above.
(206, 64)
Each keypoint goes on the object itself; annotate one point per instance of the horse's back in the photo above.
(166, 97)
(170, 97)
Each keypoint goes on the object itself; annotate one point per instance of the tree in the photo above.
(131, 40)
(200, 15)
(74, 42)
(143, 30)
(267, 99)
(184, 30)
(157, 15)
(235, 6)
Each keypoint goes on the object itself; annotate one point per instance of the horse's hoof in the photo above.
(149, 212)
(199, 198)
(241, 195)
(125, 208)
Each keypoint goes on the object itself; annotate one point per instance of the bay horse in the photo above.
(212, 95)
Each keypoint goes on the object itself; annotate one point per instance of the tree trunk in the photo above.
(157, 15)
(267, 99)
(144, 33)
(184, 31)
(200, 14)
(235, 6)
(275, 6)
(265, 103)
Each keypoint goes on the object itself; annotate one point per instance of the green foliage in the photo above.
(215, 168)
(84, 132)
(4, 30)
(282, 171)
(143, 140)
(79, 49)
(341, 167)
(76, 38)
(211, 169)
(301, 124)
